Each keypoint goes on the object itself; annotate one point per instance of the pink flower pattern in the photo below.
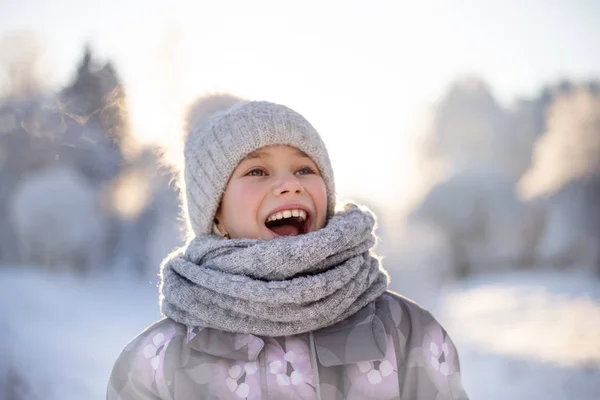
(288, 367)
(378, 376)
(440, 357)
(216, 365)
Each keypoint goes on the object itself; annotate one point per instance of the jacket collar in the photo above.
(360, 337)
(234, 346)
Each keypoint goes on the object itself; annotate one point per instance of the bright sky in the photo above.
(361, 71)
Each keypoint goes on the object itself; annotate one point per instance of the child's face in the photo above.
(275, 191)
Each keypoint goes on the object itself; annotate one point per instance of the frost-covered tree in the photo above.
(484, 223)
(565, 177)
(483, 150)
(28, 136)
(470, 129)
(548, 145)
(571, 234)
(83, 127)
(570, 148)
(58, 219)
(94, 110)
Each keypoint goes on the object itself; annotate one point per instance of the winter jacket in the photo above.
(391, 349)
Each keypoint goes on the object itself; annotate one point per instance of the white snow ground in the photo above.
(527, 334)
(62, 334)
(522, 335)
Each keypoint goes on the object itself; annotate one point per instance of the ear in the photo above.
(217, 219)
(218, 228)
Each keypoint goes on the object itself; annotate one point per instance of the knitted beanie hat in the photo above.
(215, 146)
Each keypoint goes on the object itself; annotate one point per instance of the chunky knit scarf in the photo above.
(277, 287)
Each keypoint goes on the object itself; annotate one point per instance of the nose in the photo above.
(289, 184)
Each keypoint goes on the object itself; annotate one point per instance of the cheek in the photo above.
(319, 195)
(239, 200)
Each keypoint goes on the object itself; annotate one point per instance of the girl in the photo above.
(278, 296)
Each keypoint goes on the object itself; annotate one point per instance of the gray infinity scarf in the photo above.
(284, 286)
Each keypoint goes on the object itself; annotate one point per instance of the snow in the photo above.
(527, 335)
(64, 333)
(521, 335)
(57, 219)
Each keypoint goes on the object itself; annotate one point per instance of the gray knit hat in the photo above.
(215, 146)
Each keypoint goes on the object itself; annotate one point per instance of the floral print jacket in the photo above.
(391, 349)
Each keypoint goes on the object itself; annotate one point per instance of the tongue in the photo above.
(286, 230)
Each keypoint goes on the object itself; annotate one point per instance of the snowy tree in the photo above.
(28, 136)
(564, 177)
(570, 148)
(96, 133)
(58, 219)
(482, 149)
(83, 129)
(571, 234)
(483, 221)
(471, 130)
(546, 146)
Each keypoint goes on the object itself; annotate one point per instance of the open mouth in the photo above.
(291, 222)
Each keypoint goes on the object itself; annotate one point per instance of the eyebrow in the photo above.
(263, 154)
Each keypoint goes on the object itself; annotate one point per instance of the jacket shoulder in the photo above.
(404, 312)
(411, 325)
(426, 356)
(138, 373)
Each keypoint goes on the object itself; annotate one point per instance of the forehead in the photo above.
(271, 151)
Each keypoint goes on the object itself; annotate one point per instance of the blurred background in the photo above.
(471, 128)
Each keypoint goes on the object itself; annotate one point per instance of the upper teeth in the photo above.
(287, 214)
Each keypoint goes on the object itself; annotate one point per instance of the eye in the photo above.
(306, 170)
(256, 172)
